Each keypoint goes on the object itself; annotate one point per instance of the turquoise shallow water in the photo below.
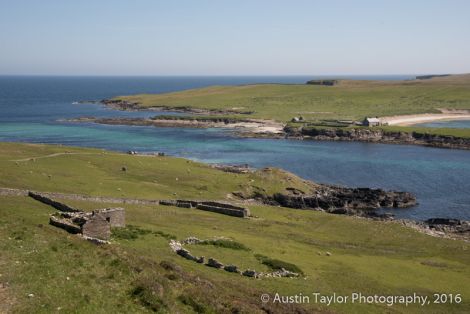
(31, 108)
(460, 124)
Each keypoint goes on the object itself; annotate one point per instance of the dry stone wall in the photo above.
(57, 205)
(13, 192)
(48, 198)
(216, 207)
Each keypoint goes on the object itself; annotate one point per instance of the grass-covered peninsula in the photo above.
(348, 100)
(328, 106)
(45, 269)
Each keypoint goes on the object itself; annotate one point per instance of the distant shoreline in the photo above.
(407, 120)
(257, 128)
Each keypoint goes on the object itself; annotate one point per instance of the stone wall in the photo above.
(216, 207)
(225, 209)
(13, 192)
(57, 205)
(48, 198)
(186, 203)
(115, 216)
(65, 224)
(97, 226)
(78, 197)
(99, 199)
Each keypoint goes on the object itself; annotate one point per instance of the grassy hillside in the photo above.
(142, 274)
(347, 100)
(98, 172)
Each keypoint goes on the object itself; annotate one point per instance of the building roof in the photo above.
(373, 120)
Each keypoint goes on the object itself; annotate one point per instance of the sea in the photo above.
(34, 109)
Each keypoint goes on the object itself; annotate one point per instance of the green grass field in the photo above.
(98, 172)
(347, 100)
(141, 274)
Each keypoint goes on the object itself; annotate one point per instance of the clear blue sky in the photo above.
(238, 37)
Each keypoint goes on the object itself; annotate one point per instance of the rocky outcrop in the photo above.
(234, 168)
(442, 227)
(241, 127)
(342, 200)
(377, 136)
(162, 121)
(129, 105)
(120, 104)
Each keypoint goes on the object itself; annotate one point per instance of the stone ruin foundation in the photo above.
(94, 226)
(177, 247)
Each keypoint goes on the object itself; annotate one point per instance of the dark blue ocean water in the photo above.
(31, 109)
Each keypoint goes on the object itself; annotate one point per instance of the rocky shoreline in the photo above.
(378, 136)
(135, 106)
(258, 128)
(242, 127)
(360, 202)
(441, 227)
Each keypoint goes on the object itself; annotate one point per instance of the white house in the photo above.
(371, 121)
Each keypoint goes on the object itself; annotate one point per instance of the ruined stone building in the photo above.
(92, 225)
(95, 225)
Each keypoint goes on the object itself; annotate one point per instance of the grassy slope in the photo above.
(347, 100)
(370, 257)
(32, 166)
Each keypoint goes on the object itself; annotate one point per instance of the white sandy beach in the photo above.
(423, 118)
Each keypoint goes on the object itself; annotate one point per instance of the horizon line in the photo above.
(229, 75)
